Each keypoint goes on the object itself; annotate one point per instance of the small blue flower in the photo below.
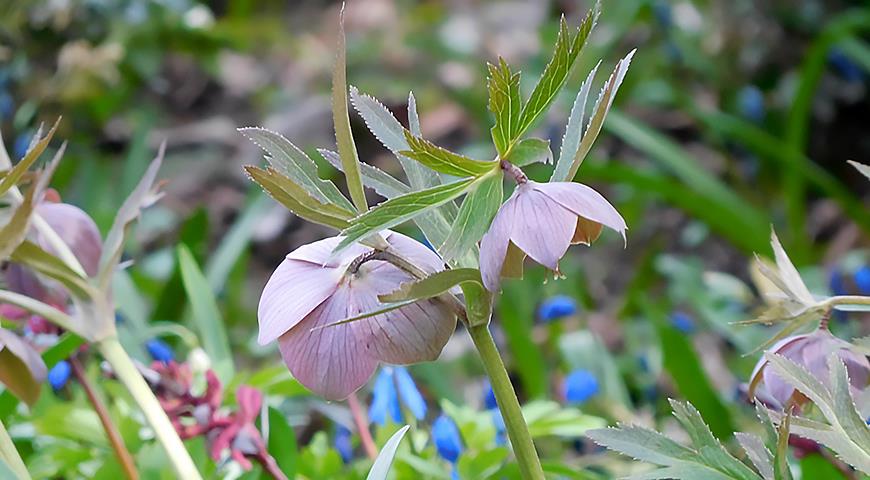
(683, 322)
(750, 103)
(580, 385)
(500, 430)
(862, 280)
(59, 375)
(160, 350)
(385, 399)
(836, 284)
(447, 440)
(22, 142)
(408, 392)
(844, 66)
(343, 443)
(557, 307)
(489, 400)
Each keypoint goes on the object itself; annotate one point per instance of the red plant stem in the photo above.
(124, 457)
(362, 424)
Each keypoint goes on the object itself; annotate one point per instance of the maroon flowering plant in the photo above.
(313, 289)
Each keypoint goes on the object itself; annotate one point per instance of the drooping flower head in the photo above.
(541, 220)
(313, 289)
(811, 351)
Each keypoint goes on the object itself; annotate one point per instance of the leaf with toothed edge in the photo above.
(574, 129)
(443, 160)
(505, 104)
(378, 180)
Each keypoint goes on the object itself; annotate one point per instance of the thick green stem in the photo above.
(10, 455)
(521, 440)
(126, 371)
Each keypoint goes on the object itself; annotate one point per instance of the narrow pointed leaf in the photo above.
(475, 216)
(443, 160)
(758, 453)
(381, 468)
(505, 104)
(401, 209)
(574, 130)
(864, 169)
(341, 119)
(23, 165)
(297, 200)
(781, 469)
(378, 180)
(433, 285)
(295, 164)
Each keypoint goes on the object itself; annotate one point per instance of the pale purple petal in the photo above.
(77, 229)
(585, 202)
(542, 228)
(494, 244)
(333, 361)
(411, 334)
(320, 252)
(416, 252)
(292, 292)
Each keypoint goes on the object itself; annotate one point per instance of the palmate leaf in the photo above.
(293, 163)
(401, 209)
(846, 433)
(475, 216)
(505, 104)
(341, 120)
(298, 200)
(443, 160)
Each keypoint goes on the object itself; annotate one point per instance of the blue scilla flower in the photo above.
(580, 385)
(160, 350)
(447, 440)
(683, 322)
(500, 429)
(862, 280)
(750, 103)
(489, 397)
(19, 147)
(343, 443)
(556, 307)
(844, 66)
(7, 105)
(59, 374)
(836, 284)
(391, 385)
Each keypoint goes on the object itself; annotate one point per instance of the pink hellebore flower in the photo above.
(811, 351)
(313, 288)
(541, 220)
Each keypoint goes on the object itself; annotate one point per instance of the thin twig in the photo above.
(362, 424)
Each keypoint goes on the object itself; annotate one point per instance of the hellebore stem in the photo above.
(126, 371)
(10, 455)
(124, 457)
(506, 398)
(362, 424)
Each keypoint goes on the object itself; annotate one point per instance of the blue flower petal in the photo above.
(489, 398)
(557, 307)
(160, 350)
(750, 103)
(447, 440)
(500, 429)
(580, 385)
(385, 399)
(862, 280)
(409, 393)
(683, 322)
(343, 443)
(59, 374)
(836, 284)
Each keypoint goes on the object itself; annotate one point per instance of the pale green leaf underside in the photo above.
(475, 215)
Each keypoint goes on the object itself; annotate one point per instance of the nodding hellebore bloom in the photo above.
(811, 351)
(541, 220)
(556, 307)
(580, 385)
(313, 289)
(392, 384)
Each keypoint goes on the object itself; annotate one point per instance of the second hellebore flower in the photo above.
(810, 351)
(541, 220)
(312, 288)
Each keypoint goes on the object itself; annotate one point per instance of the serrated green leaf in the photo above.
(205, 314)
(864, 169)
(381, 468)
(292, 162)
(443, 160)
(757, 452)
(531, 150)
(574, 129)
(378, 180)
(475, 215)
(297, 200)
(401, 209)
(433, 285)
(141, 197)
(38, 145)
(556, 72)
(599, 114)
(853, 425)
(642, 444)
(505, 104)
(341, 119)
